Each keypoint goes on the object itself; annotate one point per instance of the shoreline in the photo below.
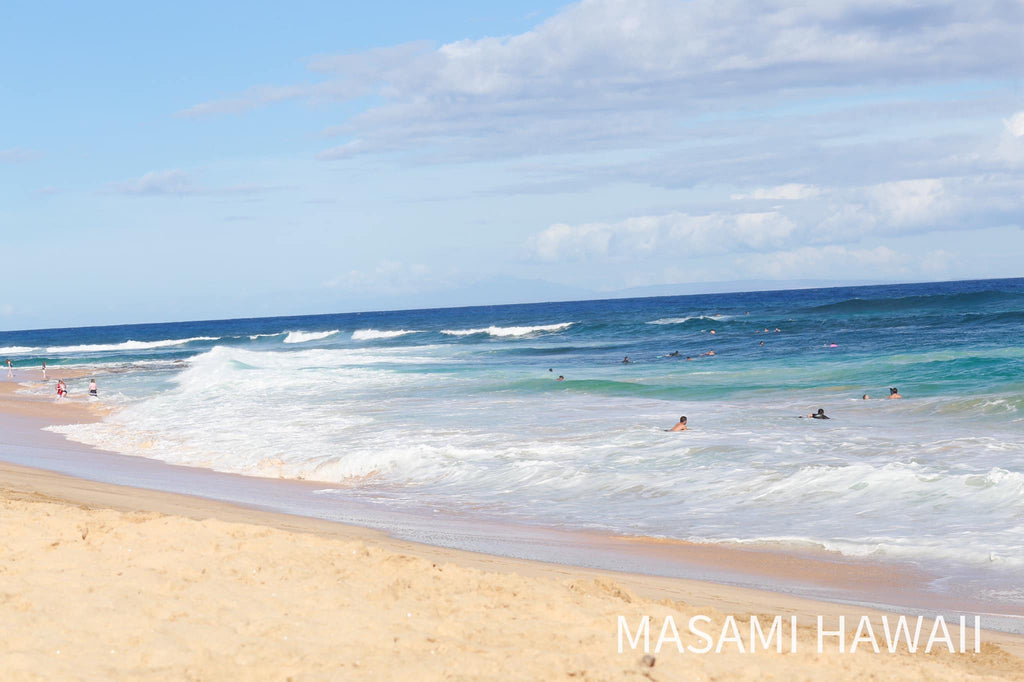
(563, 615)
(817, 575)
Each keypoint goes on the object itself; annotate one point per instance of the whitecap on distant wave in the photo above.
(128, 345)
(303, 337)
(509, 331)
(370, 334)
(15, 350)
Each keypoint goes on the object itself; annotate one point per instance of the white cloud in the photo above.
(388, 278)
(598, 63)
(634, 237)
(176, 182)
(791, 192)
(262, 95)
(169, 182)
(826, 217)
(822, 261)
(912, 202)
(1015, 124)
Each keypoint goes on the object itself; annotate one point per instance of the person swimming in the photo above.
(560, 378)
(673, 354)
(866, 397)
(894, 394)
(626, 360)
(680, 426)
(820, 414)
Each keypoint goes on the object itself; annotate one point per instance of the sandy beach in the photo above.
(101, 581)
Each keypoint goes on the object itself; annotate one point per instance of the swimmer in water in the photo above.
(626, 360)
(820, 414)
(866, 397)
(681, 426)
(560, 378)
(894, 394)
(673, 354)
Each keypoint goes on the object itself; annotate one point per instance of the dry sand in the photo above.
(102, 582)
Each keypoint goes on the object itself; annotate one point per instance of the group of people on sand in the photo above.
(10, 369)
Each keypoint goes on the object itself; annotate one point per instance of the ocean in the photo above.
(460, 409)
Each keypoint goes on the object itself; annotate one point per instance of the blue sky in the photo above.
(188, 161)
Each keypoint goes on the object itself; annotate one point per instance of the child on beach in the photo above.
(92, 387)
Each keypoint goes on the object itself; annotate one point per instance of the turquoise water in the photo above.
(456, 409)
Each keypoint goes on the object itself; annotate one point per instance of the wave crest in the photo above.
(371, 334)
(509, 331)
(128, 345)
(683, 320)
(304, 337)
(16, 350)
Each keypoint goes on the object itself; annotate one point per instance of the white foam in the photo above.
(16, 350)
(128, 345)
(681, 320)
(304, 337)
(509, 331)
(879, 479)
(370, 334)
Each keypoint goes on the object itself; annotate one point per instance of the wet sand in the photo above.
(102, 581)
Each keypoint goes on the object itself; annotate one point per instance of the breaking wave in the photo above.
(303, 337)
(509, 331)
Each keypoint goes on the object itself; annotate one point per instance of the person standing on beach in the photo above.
(10, 369)
(92, 387)
(44, 370)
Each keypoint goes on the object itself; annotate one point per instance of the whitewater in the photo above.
(460, 409)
